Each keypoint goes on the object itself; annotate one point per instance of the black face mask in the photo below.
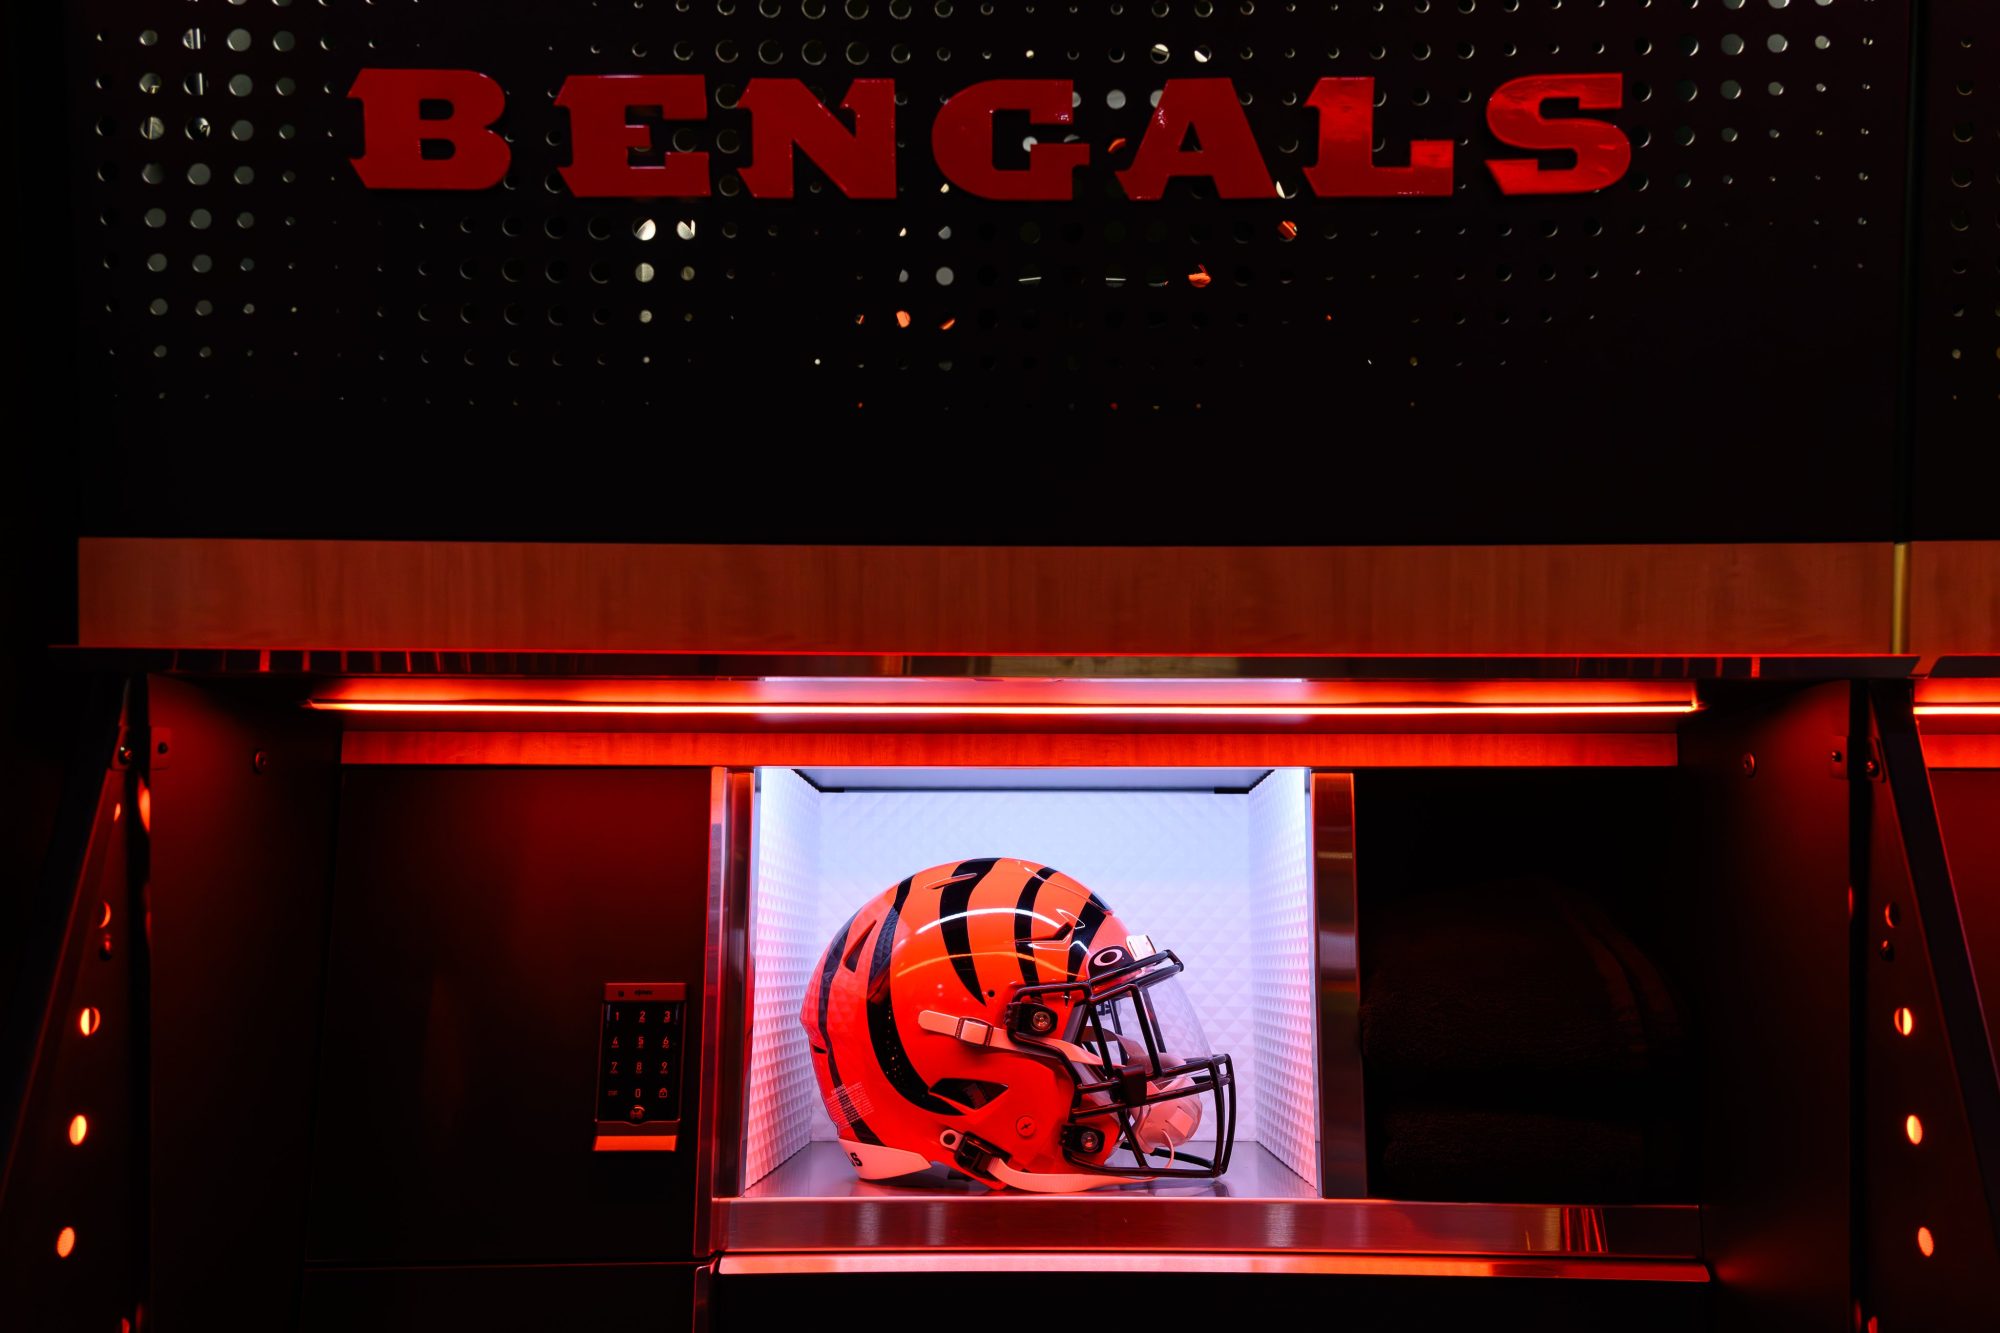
(1141, 1064)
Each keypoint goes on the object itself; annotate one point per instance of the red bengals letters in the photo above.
(452, 111)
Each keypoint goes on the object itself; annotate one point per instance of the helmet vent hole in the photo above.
(853, 959)
(970, 1093)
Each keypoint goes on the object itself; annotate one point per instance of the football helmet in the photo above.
(994, 1016)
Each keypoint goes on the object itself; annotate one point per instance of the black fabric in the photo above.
(1517, 1045)
(1528, 1156)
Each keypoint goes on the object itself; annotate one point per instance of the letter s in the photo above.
(1514, 114)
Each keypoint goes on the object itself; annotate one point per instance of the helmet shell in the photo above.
(955, 940)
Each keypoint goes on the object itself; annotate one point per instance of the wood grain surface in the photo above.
(1680, 600)
(1955, 598)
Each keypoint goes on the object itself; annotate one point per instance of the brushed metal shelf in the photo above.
(814, 1203)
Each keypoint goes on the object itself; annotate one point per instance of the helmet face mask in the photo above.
(997, 1018)
(1146, 1071)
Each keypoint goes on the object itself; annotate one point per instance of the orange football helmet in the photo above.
(995, 1017)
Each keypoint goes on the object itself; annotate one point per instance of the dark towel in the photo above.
(1517, 1046)
(1514, 977)
(1512, 1157)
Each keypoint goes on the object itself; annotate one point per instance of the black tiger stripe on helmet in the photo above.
(857, 1128)
(883, 1035)
(956, 923)
(1025, 917)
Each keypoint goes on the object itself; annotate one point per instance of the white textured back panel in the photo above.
(1172, 864)
(1284, 1016)
(781, 1100)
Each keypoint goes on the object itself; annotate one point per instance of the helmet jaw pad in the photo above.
(878, 1161)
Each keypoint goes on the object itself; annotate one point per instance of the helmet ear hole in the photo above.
(970, 1093)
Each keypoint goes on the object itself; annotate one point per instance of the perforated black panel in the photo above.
(1708, 348)
(1955, 379)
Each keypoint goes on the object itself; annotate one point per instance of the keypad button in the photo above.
(625, 1026)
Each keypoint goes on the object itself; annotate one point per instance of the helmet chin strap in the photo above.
(992, 1163)
(1160, 1127)
(1052, 1182)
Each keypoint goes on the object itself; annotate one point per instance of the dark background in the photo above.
(1797, 343)
(1790, 334)
(1750, 337)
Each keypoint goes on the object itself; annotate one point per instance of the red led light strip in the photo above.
(1957, 710)
(999, 710)
(1423, 1265)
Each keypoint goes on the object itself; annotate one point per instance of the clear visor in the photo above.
(1152, 1025)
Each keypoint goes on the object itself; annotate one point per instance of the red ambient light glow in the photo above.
(996, 710)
